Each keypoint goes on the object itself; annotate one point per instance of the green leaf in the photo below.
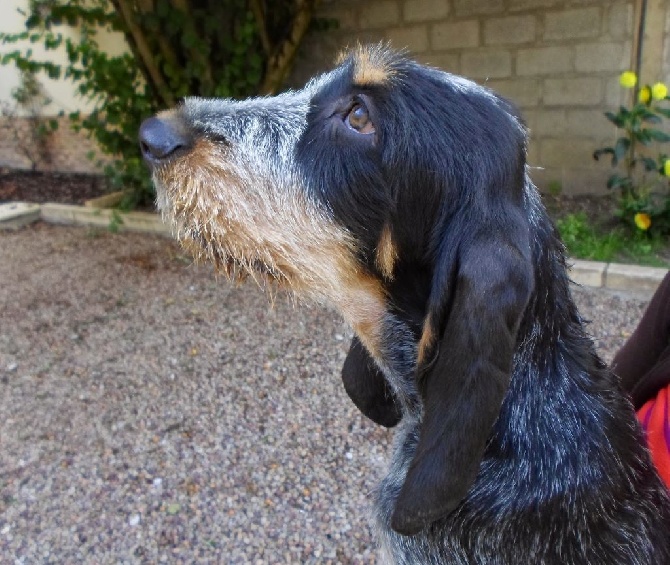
(649, 164)
(649, 116)
(615, 181)
(658, 135)
(33, 21)
(643, 136)
(620, 148)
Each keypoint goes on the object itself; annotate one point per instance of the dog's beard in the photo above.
(249, 226)
(209, 233)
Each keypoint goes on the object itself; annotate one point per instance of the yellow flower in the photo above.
(642, 221)
(666, 168)
(628, 79)
(644, 95)
(659, 91)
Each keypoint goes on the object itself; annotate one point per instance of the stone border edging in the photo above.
(144, 222)
(616, 276)
(612, 276)
(14, 215)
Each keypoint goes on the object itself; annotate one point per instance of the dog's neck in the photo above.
(559, 388)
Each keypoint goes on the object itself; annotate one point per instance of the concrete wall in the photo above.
(559, 60)
(60, 91)
(67, 149)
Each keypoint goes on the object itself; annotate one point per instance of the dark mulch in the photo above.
(599, 208)
(40, 186)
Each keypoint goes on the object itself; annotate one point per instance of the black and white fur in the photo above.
(399, 195)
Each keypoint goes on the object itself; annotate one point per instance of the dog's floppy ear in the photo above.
(480, 289)
(366, 386)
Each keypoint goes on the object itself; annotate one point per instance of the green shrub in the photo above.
(642, 167)
(231, 48)
(584, 240)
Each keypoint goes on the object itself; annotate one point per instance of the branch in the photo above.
(281, 62)
(131, 43)
(142, 51)
(169, 54)
(181, 5)
(259, 14)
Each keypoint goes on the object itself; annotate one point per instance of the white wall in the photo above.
(60, 91)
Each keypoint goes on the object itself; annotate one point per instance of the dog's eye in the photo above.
(359, 120)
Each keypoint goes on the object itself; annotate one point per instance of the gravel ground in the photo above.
(152, 414)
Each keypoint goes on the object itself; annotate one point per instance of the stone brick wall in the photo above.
(558, 60)
(66, 149)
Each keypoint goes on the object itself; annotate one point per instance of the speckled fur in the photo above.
(514, 444)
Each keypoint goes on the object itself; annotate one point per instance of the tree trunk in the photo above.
(142, 51)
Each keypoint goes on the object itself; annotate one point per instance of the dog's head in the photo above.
(396, 193)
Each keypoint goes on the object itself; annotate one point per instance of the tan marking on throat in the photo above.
(386, 253)
(363, 306)
(426, 342)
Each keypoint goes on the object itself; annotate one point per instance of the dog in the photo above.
(399, 195)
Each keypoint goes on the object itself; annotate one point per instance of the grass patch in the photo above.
(585, 240)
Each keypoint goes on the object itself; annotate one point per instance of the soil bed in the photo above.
(41, 186)
(598, 208)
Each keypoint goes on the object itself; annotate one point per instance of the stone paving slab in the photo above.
(106, 200)
(14, 215)
(616, 276)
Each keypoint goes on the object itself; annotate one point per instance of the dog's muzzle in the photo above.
(161, 139)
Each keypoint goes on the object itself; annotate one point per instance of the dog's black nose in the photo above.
(159, 139)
